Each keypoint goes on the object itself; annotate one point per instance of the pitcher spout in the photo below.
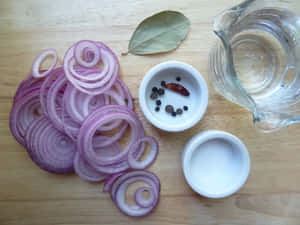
(268, 122)
(228, 17)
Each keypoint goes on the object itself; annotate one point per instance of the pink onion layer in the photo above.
(25, 109)
(38, 61)
(140, 200)
(143, 206)
(27, 85)
(86, 61)
(137, 150)
(63, 117)
(110, 180)
(95, 82)
(97, 119)
(49, 148)
(85, 171)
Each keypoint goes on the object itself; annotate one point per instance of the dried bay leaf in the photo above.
(161, 32)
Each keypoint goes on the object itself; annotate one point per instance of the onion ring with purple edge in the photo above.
(140, 200)
(72, 118)
(105, 110)
(98, 118)
(93, 83)
(50, 79)
(121, 87)
(110, 180)
(87, 55)
(26, 109)
(79, 52)
(78, 104)
(117, 182)
(123, 93)
(38, 61)
(85, 171)
(49, 148)
(105, 151)
(27, 85)
(55, 108)
(121, 97)
(119, 187)
(133, 160)
(108, 152)
(92, 79)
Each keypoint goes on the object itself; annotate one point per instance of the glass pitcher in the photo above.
(256, 61)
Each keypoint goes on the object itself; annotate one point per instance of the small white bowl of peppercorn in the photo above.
(173, 96)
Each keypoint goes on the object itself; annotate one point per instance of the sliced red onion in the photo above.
(108, 150)
(119, 94)
(55, 108)
(106, 153)
(79, 105)
(117, 182)
(95, 102)
(138, 150)
(38, 61)
(29, 84)
(117, 167)
(87, 55)
(115, 108)
(110, 180)
(48, 82)
(24, 111)
(100, 117)
(85, 171)
(61, 116)
(122, 93)
(92, 49)
(49, 148)
(140, 200)
(92, 83)
(119, 188)
(54, 101)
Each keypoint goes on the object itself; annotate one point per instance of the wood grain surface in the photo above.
(31, 196)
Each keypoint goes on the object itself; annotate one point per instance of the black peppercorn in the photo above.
(153, 96)
(154, 89)
(178, 79)
(161, 91)
(156, 109)
(169, 109)
(185, 108)
(173, 113)
(179, 111)
(158, 102)
(163, 83)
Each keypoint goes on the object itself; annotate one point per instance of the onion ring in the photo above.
(63, 116)
(134, 152)
(144, 207)
(85, 171)
(38, 61)
(49, 148)
(92, 49)
(98, 118)
(24, 111)
(92, 83)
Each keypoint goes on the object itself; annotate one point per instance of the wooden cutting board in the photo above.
(34, 197)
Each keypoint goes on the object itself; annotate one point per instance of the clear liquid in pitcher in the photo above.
(264, 51)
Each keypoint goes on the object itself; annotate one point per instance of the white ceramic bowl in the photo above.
(197, 101)
(215, 164)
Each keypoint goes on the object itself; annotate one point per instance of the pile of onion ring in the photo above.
(62, 116)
